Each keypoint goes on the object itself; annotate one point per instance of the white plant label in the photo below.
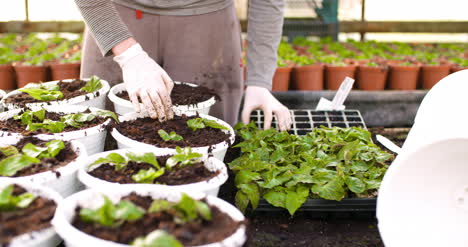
(342, 93)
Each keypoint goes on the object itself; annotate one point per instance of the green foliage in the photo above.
(201, 123)
(157, 238)
(304, 60)
(183, 157)
(12, 164)
(110, 214)
(285, 170)
(42, 94)
(92, 85)
(147, 176)
(169, 136)
(184, 211)
(51, 149)
(9, 202)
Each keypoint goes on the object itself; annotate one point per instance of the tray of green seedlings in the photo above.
(328, 168)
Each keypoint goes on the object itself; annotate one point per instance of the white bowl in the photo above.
(93, 199)
(122, 106)
(218, 150)
(95, 99)
(210, 187)
(46, 237)
(92, 138)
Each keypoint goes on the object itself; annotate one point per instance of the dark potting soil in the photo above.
(191, 234)
(183, 94)
(177, 176)
(69, 90)
(146, 130)
(15, 126)
(33, 218)
(64, 157)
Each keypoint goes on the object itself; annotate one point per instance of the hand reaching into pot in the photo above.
(261, 98)
(144, 79)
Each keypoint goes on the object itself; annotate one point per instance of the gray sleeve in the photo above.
(104, 22)
(265, 24)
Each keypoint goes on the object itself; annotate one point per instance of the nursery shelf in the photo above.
(322, 205)
(305, 120)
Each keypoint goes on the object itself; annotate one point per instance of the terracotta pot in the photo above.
(432, 74)
(336, 74)
(30, 73)
(308, 77)
(403, 77)
(454, 69)
(281, 79)
(7, 77)
(371, 78)
(65, 71)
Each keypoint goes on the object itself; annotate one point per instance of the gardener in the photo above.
(193, 41)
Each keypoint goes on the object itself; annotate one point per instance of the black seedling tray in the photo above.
(322, 205)
(305, 120)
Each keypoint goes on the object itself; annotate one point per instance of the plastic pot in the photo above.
(371, 78)
(308, 77)
(45, 237)
(92, 138)
(281, 79)
(67, 183)
(30, 73)
(218, 150)
(336, 74)
(431, 74)
(7, 77)
(210, 187)
(95, 99)
(61, 71)
(403, 77)
(123, 106)
(93, 199)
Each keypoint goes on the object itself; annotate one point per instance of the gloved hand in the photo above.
(146, 80)
(261, 98)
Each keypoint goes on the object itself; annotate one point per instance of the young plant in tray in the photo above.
(201, 123)
(14, 160)
(286, 170)
(10, 202)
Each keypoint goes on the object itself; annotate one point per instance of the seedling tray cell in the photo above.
(305, 120)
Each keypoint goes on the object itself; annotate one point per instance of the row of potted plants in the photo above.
(319, 65)
(25, 59)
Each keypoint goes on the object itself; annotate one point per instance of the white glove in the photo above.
(146, 80)
(261, 98)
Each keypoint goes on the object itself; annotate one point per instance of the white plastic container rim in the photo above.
(72, 101)
(93, 199)
(67, 136)
(203, 150)
(45, 237)
(212, 164)
(67, 172)
(178, 109)
(2, 94)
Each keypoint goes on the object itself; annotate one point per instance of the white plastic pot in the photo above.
(67, 183)
(2, 95)
(423, 198)
(92, 138)
(45, 237)
(218, 150)
(210, 187)
(93, 199)
(95, 99)
(123, 106)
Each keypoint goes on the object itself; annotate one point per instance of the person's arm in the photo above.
(265, 24)
(144, 79)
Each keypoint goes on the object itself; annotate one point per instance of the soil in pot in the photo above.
(281, 79)
(193, 233)
(35, 217)
(176, 176)
(183, 94)
(16, 126)
(61, 71)
(336, 74)
(308, 77)
(65, 156)
(371, 78)
(432, 74)
(30, 73)
(68, 89)
(7, 77)
(403, 77)
(146, 130)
